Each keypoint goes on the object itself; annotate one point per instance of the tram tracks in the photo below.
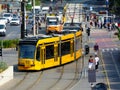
(68, 77)
(36, 81)
(17, 84)
(62, 78)
(77, 76)
(27, 76)
(61, 69)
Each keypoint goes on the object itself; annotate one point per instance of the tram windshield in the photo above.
(71, 28)
(52, 21)
(27, 51)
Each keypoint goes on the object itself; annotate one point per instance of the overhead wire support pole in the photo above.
(34, 26)
(23, 19)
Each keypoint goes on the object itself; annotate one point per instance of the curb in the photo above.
(6, 75)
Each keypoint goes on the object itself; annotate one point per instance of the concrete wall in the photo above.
(6, 76)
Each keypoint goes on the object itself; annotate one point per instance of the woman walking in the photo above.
(91, 63)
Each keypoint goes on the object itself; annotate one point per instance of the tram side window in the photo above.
(38, 53)
(49, 51)
(65, 48)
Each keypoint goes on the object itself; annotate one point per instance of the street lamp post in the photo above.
(107, 11)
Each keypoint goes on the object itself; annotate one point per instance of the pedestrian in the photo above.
(39, 23)
(110, 27)
(96, 48)
(88, 31)
(96, 62)
(81, 28)
(95, 24)
(90, 62)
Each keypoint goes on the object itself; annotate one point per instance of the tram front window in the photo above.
(27, 51)
(52, 23)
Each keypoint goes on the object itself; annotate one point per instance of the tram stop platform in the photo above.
(100, 76)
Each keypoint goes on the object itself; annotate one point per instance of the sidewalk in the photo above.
(105, 40)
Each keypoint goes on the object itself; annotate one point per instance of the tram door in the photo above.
(56, 62)
(71, 47)
(42, 55)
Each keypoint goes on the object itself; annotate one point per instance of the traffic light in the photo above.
(0, 51)
(86, 49)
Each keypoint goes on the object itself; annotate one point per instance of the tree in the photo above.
(114, 6)
(29, 5)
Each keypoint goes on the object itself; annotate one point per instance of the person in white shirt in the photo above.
(96, 62)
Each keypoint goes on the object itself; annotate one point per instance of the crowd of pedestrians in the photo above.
(103, 22)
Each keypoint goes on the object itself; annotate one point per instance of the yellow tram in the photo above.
(37, 53)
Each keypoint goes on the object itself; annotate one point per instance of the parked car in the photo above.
(30, 19)
(15, 16)
(4, 20)
(2, 29)
(8, 16)
(15, 21)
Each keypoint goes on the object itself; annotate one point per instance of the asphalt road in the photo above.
(112, 65)
(12, 32)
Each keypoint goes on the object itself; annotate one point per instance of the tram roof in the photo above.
(33, 39)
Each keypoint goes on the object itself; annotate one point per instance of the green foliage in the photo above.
(3, 66)
(37, 2)
(29, 6)
(118, 32)
(9, 43)
(114, 6)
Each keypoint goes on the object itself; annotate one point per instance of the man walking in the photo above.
(96, 48)
(96, 62)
